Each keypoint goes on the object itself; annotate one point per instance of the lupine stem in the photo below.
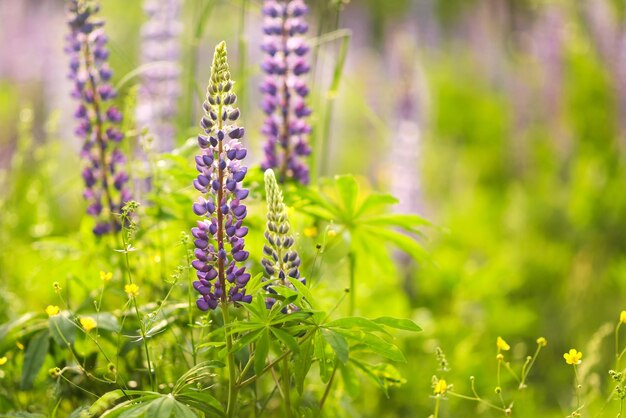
(194, 353)
(328, 386)
(286, 386)
(352, 267)
(232, 374)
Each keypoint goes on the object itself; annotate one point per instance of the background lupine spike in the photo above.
(281, 261)
(285, 128)
(98, 122)
(160, 86)
(221, 277)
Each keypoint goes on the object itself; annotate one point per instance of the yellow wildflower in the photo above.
(440, 387)
(331, 233)
(3, 360)
(573, 357)
(52, 310)
(88, 323)
(542, 341)
(310, 232)
(622, 317)
(105, 276)
(502, 345)
(131, 290)
(19, 345)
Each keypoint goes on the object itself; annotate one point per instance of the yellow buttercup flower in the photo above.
(502, 345)
(622, 317)
(440, 387)
(106, 276)
(132, 290)
(573, 357)
(542, 341)
(88, 323)
(52, 310)
(310, 232)
(3, 360)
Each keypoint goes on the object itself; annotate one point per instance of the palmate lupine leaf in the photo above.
(365, 217)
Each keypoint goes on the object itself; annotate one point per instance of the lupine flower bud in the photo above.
(285, 91)
(106, 190)
(220, 274)
(281, 260)
(160, 52)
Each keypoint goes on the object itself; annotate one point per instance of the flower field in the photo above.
(312, 208)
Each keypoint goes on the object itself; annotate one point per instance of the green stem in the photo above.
(437, 401)
(352, 267)
(328, 386)
(194, 353)
(286, 386)
(232, 373)
(617, 353)
(142, 327)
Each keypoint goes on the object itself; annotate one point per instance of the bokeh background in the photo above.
(502, 122)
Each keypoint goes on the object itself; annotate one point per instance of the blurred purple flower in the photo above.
(160, 53)
(220, 277)
(105, 181)
(285, 92)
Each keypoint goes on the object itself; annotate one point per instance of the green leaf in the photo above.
(261, 351)
(338, 344)
(303, 364)
(247, 339)
(374, 343)
(62, 329)
(376, 203)
(402, 241)
(181, 411)
(398, 323)
(107, 321)
(303, 290)
(34, 358)
(325, 364)
(286, 339)
(350, 380)
(203, 401)
(356, 322)
(162, 407)
(366, 368)
(348, 191)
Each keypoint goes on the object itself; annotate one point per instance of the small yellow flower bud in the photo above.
(498, 390)
(502, 345)
(19, 345)
(88, 323)
(3, 360)
(54, 372)
(132, 290)
(106, 276)
(331, 233)
(500, 357)
(622, 317)
(542, 341)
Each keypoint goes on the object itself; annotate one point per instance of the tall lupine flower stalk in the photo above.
(98, 122)
(220, 277)
(160, 87)
(286, 128)
(281, 261)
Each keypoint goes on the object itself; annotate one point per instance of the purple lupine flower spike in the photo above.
(160, 86)
(284, 89)
(221, 277)
(98, 121)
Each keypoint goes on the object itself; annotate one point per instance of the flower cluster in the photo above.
(285, 91)
(98, 122)
(160, 52)
(221, 173)
(280, 261)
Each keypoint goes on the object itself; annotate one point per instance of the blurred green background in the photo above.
(502, 122)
